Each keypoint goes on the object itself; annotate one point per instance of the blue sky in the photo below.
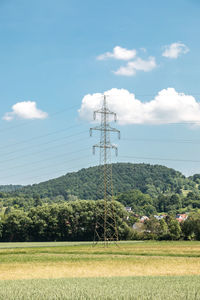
(49, 55)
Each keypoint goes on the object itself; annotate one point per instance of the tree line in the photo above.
(76, 221)
(72, 221)
(141, 203)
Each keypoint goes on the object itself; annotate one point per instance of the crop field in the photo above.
(70, 270)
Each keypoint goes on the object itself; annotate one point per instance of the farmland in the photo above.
(186, 287)
(131, 270)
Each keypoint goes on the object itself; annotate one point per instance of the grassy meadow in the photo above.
(70, 270)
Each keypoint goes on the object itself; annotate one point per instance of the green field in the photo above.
(171, 287)
(131, 270)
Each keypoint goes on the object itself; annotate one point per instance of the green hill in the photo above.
(87, 183)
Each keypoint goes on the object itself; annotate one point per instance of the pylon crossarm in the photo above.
(105, 146)
(96, 128)
(106, 111)
(102, 128)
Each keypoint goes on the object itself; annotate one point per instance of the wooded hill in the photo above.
(148, 189)
(42, 211)
(84, 184)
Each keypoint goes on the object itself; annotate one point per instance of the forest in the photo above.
(146, 188)
(77, 220)
(149, 179)
(42, 211)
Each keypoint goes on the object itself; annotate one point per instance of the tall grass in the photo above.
(140, 288)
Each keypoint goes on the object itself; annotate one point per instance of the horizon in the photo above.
(83, 168)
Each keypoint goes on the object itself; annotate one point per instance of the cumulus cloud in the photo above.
(25, 110)
(118, 53)
(168, 106)
(138, 65)
(175, 50)
(134, 63)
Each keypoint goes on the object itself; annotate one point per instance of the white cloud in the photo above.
(137, 65)
(168, 106)
(25, 110)
(175, 50)
(118, 53)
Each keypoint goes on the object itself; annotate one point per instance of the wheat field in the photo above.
(130, 270)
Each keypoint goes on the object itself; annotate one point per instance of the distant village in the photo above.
(141, 219)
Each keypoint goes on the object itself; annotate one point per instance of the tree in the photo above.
(163, 229)
(44, 223)
(152, 227)
(176, 201)
(65, 214)
(16, 227)
(37, 200)
(7, 210)
(141, 203)
(191, 227)
(174, 229)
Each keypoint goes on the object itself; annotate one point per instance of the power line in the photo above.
(159, 158)
(161, 140)
(46, 167)
(47, 159)
(55, 172)
(64, 110)
(49, 142)
(40, 136)
(30, 121)
(59, 171)
(38, 152)
(75, 126)
(62, 130)
(163, 122)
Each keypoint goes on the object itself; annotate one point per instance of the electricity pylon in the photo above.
(106, 227)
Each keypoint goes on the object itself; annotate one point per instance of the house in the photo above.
(159, 217)
(128, 208)
(143, 218)
(181, 217)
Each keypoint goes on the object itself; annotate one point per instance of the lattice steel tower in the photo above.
(106, 227)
